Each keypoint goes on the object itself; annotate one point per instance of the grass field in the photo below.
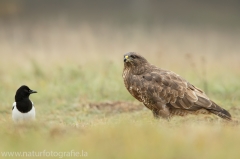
(82, 104)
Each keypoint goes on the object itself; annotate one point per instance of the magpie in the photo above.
(23, 108)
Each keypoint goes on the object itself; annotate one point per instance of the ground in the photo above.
(83, 106)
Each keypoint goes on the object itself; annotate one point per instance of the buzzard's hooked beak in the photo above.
(126, 58)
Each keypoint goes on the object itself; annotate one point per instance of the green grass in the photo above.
(65, 121)
(76, 85)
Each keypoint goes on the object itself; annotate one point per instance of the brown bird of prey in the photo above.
(165, 92)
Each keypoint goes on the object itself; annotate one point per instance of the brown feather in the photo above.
(165, 92)
(203, 102)
(191, 95)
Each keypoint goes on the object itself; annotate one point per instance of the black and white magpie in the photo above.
(23, 109)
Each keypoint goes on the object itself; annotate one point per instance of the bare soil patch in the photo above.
(117, 107)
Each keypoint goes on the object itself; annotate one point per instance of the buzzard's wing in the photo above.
(170, 88)
(174, 91)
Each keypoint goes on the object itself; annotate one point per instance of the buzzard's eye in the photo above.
(133, 56)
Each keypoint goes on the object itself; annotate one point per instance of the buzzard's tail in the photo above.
(217, 110)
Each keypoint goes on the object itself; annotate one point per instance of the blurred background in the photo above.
(44, 41)
(63, 27)
(71, 52)
(50, 43)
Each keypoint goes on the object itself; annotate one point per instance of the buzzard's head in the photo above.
(134, 59)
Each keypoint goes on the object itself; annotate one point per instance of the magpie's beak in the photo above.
(32, 91)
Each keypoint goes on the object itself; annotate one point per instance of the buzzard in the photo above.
(165, 92)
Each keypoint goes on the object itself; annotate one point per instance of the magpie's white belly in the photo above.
(17, 116)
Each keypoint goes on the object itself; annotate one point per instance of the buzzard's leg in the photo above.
(162, 111)
(156, 113)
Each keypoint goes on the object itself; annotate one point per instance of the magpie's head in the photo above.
(23, 92)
